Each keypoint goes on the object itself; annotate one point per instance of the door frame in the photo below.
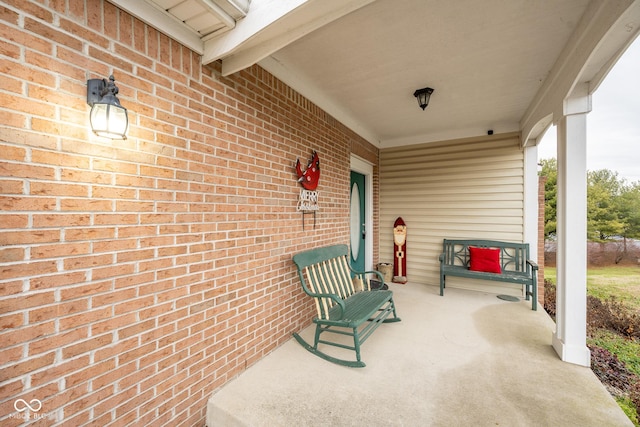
(365, 168)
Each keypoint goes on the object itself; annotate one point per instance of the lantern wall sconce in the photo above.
(108, 118)
(423, 96)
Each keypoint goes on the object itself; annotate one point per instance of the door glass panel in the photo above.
(355, 221)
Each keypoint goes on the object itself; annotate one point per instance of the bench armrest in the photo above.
(363, 273)
(339, 301)
(533, 264)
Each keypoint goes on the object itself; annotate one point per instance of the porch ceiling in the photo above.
(361, 60)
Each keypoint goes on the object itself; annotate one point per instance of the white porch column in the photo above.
(569, 340)
(531, 200)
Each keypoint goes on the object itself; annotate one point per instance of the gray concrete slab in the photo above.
(465, 359)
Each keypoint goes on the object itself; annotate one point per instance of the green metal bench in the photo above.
(514, 261)
(343, 309)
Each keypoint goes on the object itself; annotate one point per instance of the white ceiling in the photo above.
(361, 60)
(485, 61)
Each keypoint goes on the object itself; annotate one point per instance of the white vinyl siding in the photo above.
(462, 189)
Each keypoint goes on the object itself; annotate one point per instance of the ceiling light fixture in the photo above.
(423, 96)
(108, 118)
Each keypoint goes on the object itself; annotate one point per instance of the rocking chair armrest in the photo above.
(363, 273)
(377, 273)
(339, 301)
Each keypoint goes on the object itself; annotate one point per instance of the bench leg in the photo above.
(441, 284)
(531, 289)
(359, 336)
(534, 294)
(356, 344)
(395, 317)
(314, 349)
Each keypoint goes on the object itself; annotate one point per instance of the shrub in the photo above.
(612, 315)
(613, 325)
(634, 395)
(550, 298)
(611, 371)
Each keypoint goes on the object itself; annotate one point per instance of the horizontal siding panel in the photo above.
(472, 188)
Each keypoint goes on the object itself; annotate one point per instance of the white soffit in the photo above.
(188, 21)
(270, 26)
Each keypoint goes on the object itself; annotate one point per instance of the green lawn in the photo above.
(622, 283)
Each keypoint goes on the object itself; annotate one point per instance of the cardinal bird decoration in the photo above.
(309, 178)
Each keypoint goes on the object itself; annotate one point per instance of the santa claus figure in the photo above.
(399, 251)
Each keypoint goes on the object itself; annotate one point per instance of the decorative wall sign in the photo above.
(311, 175)
(308, 200)
(309, 178)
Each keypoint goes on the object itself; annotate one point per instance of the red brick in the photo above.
(11, 255)
(58, 370)
(27, 333)
(90, 372)
(56, 280)
(12, 271)
(25, 301)
(141, 207)
(113, 271)
(50, 312)
(89, 345)
(87, 261)
(11, 288)
(59, 250)
(84, 318)
(27, 203)
(30, 74)
(90, 233)
(85, 205)
(112, 297)
(104, 192)
(85, 34)
(11, 321)
(135, 352)
(70, 293)
(47, 157)
(26, 366)
(134, 305)
(112, 376)
(111, 165)
(26, 171)
(86, 176)
(13, 221)
(56, 341)
(60, 220)
(11, 187)
(115, 219)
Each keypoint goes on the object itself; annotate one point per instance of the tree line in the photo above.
(613, 204)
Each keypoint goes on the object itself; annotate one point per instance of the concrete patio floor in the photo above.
(465, 359)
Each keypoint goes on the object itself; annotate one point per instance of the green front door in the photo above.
(358, 223)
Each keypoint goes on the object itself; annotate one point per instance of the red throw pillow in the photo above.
(484, 259)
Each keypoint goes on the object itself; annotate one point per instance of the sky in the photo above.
(613, 125)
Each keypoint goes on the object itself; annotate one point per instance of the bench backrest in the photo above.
(325, 271)
(513, 256)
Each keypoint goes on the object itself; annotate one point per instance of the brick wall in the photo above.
(138, 276)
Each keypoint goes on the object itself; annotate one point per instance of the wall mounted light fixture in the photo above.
(108, 118)
(423, 96)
